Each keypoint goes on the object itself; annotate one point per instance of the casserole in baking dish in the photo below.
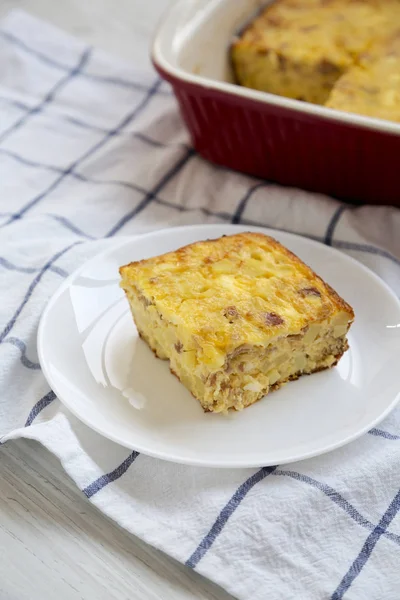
(292, 142)
(310, 49)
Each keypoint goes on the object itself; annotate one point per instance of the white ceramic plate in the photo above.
(94, 361)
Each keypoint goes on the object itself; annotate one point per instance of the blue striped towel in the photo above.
(90, 150)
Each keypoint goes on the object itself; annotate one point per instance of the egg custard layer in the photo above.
(237, 317)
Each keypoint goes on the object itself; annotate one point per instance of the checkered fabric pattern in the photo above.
(91, 150)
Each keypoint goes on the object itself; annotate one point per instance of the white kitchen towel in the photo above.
(90, 149)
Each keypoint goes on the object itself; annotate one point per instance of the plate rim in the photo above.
(170, 457)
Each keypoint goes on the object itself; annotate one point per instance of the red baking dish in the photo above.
(291, 142)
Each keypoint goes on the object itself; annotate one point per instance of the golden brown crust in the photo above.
(182, 252)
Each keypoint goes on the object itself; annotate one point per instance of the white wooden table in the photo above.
(53, 543)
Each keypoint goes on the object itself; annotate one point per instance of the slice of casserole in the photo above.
(237, 317)
(300, 48)
(372, 87)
